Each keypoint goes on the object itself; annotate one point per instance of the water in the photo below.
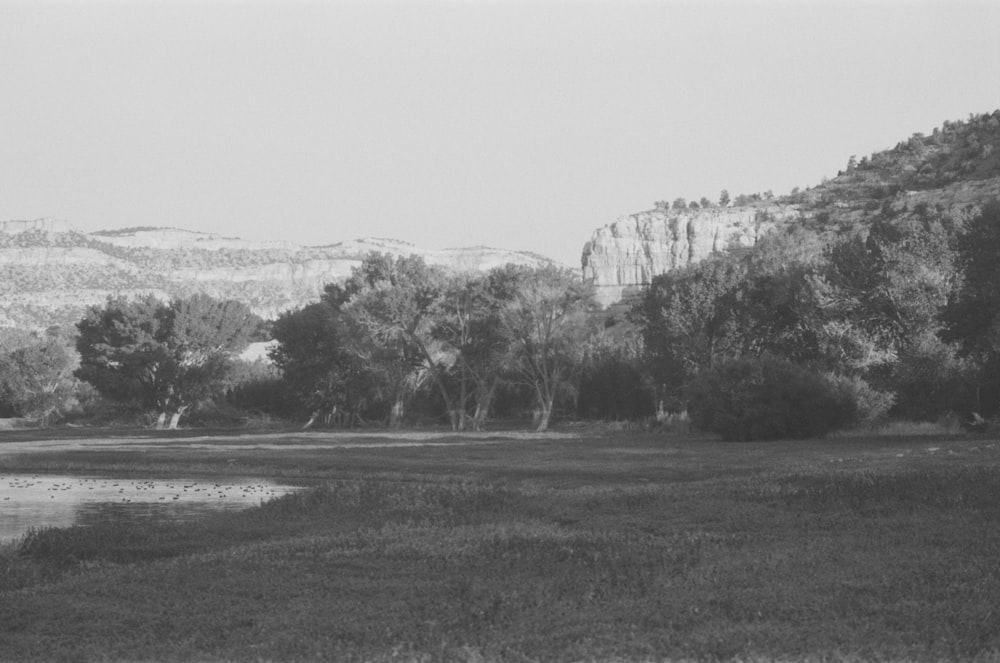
(45, 500)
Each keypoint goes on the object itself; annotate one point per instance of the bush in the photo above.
(767, 399)
(932, 380)
(870, 404)
(269, 396)
(613, 388)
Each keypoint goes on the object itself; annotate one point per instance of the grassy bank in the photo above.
(627, 547)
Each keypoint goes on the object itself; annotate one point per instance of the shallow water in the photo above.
(45, 500)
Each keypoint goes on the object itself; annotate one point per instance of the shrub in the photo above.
(932, 380)
(767, 398)
(614, 388)
(870, 404)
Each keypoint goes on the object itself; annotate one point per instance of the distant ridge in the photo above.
(49, 271)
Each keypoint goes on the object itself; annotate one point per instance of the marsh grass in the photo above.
(947, 426)
(702, 552)
(967, 489)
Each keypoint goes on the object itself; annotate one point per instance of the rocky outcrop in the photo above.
(627, 254)
(50, 272)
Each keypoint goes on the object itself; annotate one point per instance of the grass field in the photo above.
(620, 547)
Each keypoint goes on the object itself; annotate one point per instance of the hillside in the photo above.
(49, 271)
(953, 169)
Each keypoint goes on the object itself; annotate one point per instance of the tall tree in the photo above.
(972, 316)
(396, 300)
(319, 353)
(889, 286)
(162, 356)
(468, 324)
(614, 383)
(36, 378)
(546, 325)
(688, 320)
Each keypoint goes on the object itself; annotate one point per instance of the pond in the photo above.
(46, 500)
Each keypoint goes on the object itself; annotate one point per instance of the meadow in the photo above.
(584, 546)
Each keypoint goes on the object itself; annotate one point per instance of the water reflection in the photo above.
(43, 500)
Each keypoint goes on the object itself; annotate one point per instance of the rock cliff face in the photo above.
(627, 254)
(50, 272)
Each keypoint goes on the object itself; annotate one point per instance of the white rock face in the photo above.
(49, 273)
(628, 253)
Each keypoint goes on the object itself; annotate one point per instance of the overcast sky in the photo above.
(522, 125)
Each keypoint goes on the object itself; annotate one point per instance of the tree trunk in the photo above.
(175, 419)
(542, 415)
(462, 397)
(396, 413)
(483, 399)
(161, 421)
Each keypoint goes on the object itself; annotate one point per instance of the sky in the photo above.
(517, 125)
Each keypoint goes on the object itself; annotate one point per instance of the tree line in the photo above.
(900, 317)
(399, 332)
(398, 341)
(807, 331)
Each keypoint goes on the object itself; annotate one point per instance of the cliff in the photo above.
(50, 272)
(628, 253)
(952, 171)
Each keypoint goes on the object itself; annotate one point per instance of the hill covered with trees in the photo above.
(883, 284)
(953, 170)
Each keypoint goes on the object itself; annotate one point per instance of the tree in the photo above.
(396, 301)
(545, 324)
(319, 357)
(36, 378)
(395, 325)
(613, 382)
(468, 324)
(889, 286)
(931, 380)
(160, 356)
(776, 306)
(687, 320)
(724, 198)
(972, 316)
(777, 311)
(680, 203)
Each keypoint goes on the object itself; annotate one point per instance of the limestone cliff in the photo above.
(952, 170)
(50, 272)
(628, 253)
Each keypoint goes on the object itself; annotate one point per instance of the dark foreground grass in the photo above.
(702, 552)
